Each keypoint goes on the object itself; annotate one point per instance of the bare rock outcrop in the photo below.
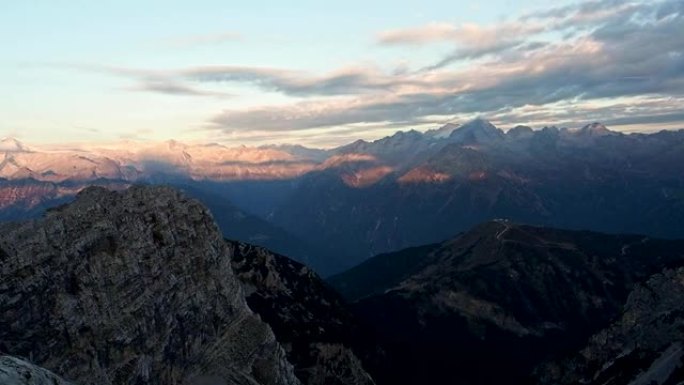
(310, 320)
(132, 287)
(14, 371)
(645, 346)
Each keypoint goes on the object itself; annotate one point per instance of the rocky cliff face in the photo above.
(131, 287)
(645, 346)
(308, 318)
(14, 371)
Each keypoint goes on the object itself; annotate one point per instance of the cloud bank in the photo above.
(618, 61)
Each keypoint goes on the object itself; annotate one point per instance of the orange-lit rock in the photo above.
(366, 177)
(424, 175)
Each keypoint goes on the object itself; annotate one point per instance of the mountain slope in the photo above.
(131, 287)
(476, 132)
(489, 305)
(645, 346)
(344, 205)
(592, 179)
(381, 272)
(318, 332)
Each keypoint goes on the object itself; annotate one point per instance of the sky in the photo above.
(327, 73)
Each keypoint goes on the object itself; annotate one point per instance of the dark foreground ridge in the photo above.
(492, 304)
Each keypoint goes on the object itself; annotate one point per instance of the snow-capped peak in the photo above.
(478, 130)
(12, 145)
(442, 132)
(595, 129)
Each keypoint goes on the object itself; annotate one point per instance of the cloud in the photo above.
(343, 81)
(161, 82)
(420, 35)
(472, 41)
(617, 61)
(585, 13)
(618, 57)
(170, 87)
(476, 53)
(614, 112)
(468, 34)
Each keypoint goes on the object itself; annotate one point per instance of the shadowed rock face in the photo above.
(645, 346)
(14, 371)
(131, 287)
(309, 319)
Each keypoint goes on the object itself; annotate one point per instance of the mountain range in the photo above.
(496, 303)
(137, 286)
(358, 200)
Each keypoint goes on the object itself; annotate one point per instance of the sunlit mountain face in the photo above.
(336, 207)
(342, 192)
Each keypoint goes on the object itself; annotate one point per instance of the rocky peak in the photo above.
(442, 132)
(476, 131)
(131, 287)
(12, 145)
(550, 129)
(400, 139)
(322, 338)
(595, 130)
(518, 132)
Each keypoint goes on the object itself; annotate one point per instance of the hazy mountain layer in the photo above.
(335, 208)
(591, 179)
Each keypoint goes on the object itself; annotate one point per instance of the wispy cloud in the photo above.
(170, 87)
(344, 81)
(468, 34)
(578, 57)
(155, 81)
(616, 50)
